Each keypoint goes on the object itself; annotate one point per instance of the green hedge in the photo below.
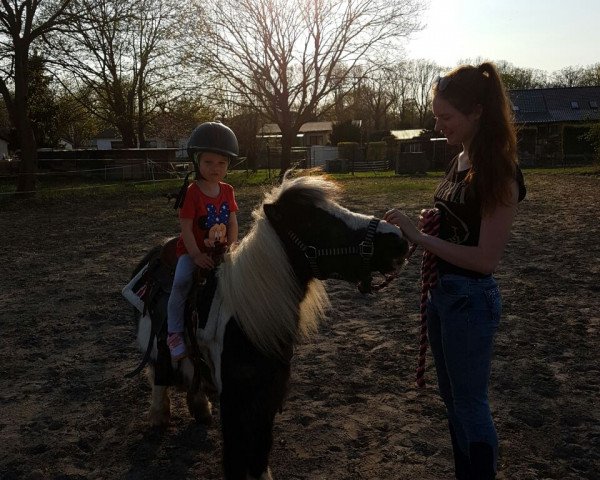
(349, 150)
(376, 151)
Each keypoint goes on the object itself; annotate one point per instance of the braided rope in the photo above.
(431, 226)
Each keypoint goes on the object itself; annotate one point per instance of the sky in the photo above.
(543, 34)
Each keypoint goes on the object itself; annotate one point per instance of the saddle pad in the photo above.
(210, 338)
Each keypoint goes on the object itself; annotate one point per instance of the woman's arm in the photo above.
(483, 258)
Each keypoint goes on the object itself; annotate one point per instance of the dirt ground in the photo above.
(67, 339)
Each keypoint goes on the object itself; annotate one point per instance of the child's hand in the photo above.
(203, 260)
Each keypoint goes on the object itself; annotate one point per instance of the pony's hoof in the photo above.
(159, 418)
(200, 408)
(265, 476)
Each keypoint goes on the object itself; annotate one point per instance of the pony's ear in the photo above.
(272, 212)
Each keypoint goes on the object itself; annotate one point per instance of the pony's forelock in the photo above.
(318, 189)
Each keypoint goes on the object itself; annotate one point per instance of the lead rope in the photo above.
(431, 226)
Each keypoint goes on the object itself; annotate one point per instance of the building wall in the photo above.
(3, 148)
(552, 144)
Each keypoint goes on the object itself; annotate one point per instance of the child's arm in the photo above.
(200, 258)
(232, 229)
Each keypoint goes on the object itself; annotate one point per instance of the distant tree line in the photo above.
(155, 68)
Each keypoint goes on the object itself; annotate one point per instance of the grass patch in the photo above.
(360, 184)
(586, 170)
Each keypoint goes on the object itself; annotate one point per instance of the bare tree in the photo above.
(377, 100)
(422, 73)
(23, 24)
(521, 78)
(568, 77)
(398, 83)
(120, 54)
(591, 75)
(286, 58)
(177, 118)
(577, 76)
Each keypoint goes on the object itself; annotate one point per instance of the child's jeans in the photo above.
(463, 314)
(182, 283)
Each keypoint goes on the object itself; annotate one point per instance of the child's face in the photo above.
(213, 166)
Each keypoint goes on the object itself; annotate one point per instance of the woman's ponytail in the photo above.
(493, 151)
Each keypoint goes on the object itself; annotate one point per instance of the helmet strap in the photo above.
(196, 163)
(182, 192)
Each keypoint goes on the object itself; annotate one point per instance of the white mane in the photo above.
(259, 286)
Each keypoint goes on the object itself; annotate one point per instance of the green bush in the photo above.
(593, 137)
(348, 150)
(376, 151)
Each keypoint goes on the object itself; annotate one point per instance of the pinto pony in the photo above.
(270, 296)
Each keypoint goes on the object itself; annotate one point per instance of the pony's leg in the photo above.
(264, 476)
(260, 428)
(234, 438)
(160, 409)
(247, 437)
(254, 387)
(199, 406)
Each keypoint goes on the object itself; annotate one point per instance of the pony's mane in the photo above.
(311, 189)
(258, 284)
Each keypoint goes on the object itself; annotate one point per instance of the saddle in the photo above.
(157, 282)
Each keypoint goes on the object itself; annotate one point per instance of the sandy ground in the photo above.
(67, 339)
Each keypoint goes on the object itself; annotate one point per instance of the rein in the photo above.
(365, 249)
(429, 277)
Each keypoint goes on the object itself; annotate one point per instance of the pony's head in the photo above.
(324, 239)
(271, 281)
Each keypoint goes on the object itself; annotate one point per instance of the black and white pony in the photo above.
(270, 296)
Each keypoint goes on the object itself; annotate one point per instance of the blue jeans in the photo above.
(463, 314)
(182, 283)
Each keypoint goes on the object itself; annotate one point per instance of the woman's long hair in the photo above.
(493, 150)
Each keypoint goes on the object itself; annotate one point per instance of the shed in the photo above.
(552, 121)
(311, 133)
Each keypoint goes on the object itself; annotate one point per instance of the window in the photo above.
(593, 104)
(315, 140)
(515, 108)
(574, 105)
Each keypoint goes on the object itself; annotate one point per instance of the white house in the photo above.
(311, 133)
(109, 139)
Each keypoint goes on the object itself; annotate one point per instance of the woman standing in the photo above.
(477, 200)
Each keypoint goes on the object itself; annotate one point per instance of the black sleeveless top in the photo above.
(460, 209)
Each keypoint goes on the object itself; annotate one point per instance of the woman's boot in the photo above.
(462, 465)
(482, 461)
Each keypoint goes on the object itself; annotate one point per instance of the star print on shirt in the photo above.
(214, 217)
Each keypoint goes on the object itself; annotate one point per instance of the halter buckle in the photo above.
(366, 248)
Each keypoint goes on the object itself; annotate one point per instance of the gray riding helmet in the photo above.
(213, 137)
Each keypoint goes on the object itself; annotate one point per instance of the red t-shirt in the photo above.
(210, 215)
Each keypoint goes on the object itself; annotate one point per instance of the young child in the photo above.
(207, 217)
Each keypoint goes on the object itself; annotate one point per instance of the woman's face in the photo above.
(457, 127)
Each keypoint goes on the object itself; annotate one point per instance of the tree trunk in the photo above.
(127, 132)
(20, 115)
(287, 136)
(28, 168)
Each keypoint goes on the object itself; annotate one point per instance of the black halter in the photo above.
(365, 249)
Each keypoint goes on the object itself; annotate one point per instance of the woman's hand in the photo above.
(203, 260)
(398, 218)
